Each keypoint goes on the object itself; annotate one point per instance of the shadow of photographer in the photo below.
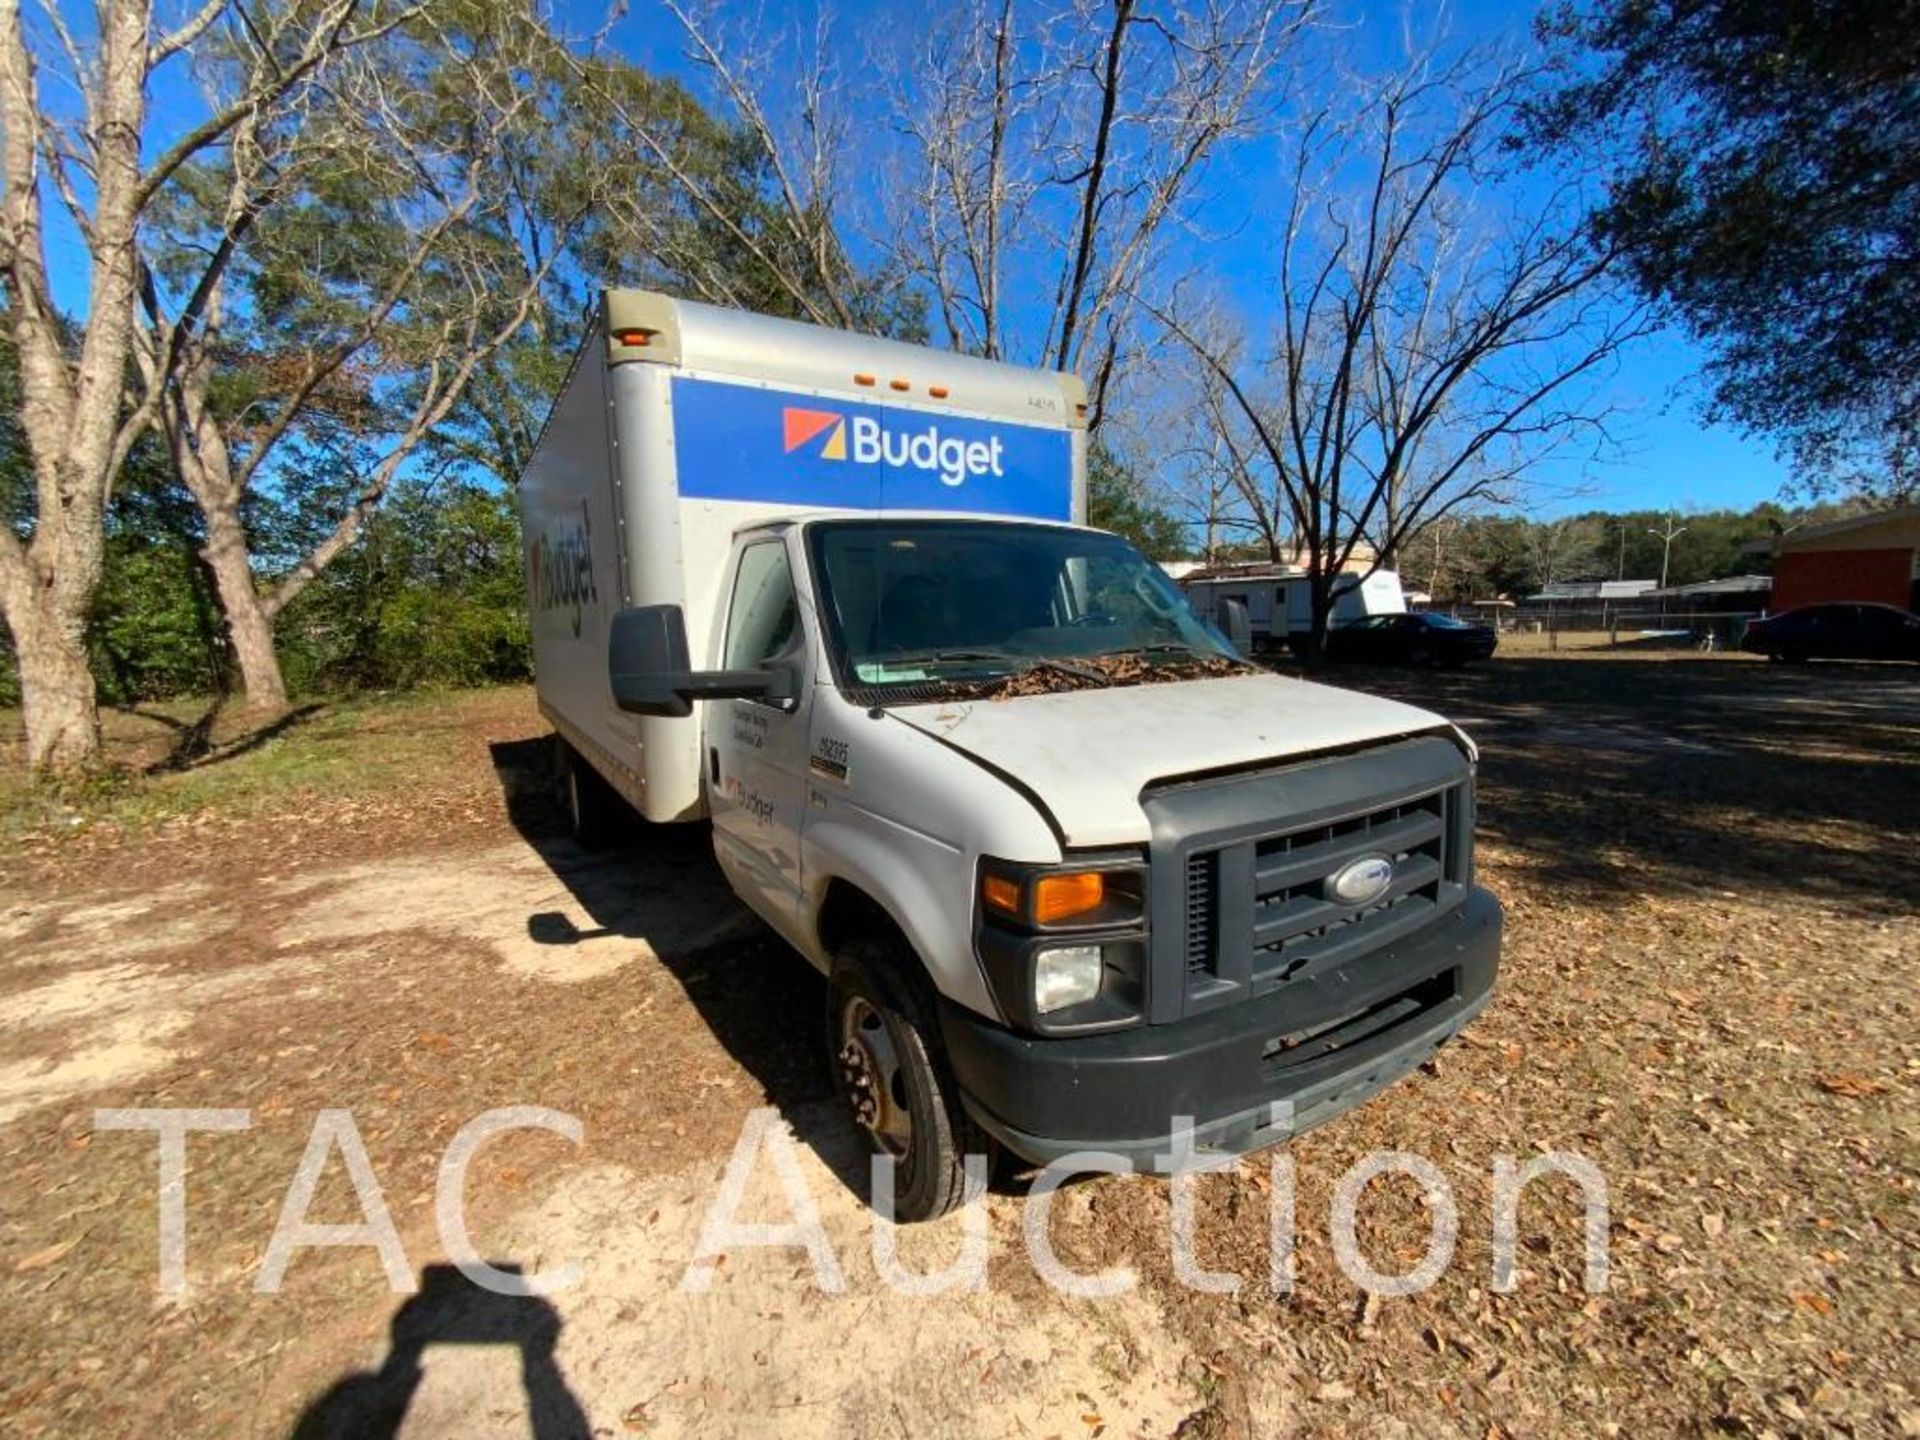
(450, 1309)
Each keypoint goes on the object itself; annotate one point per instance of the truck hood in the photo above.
(1087, 754)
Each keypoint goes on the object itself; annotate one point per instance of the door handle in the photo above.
(713, 763)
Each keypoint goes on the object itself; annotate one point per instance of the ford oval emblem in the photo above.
(1362, 881)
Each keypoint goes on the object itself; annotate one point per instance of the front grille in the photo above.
(1255, 906)
(1203, 874)
(1295, 922)
(1302, 1047)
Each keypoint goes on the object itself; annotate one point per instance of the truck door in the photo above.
(757, 751)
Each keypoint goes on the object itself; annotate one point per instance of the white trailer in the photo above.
(1063, 856)
(1279, 605)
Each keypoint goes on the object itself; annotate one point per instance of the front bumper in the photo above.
(1365, 1025)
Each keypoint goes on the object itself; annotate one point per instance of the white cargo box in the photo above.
(680, 423)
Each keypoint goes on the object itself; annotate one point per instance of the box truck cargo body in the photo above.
(1078, 874)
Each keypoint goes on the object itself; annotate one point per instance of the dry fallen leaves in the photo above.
(1856, 1087)
(40, 1259)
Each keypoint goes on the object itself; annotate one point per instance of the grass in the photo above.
(196, 756)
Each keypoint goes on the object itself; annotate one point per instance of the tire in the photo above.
(596, 815)
(891, 1074)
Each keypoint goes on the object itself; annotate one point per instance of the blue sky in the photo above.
(1669, 458)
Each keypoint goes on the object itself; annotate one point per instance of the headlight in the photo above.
(1066, 975)
(1064, 945)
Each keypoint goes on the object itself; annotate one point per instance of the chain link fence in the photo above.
(1616, 626)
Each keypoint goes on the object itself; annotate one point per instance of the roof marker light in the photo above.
(939, 392)
(900, 384)
(863, 379)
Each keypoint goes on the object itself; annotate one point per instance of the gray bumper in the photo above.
(1124, 1091)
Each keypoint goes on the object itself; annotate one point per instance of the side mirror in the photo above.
(1239, 628)
(650, 673)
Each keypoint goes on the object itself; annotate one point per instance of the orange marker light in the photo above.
(939, 392)
(863, 379)
(1061, 897)
(1000, 894)
(633, 337)
(901, 384)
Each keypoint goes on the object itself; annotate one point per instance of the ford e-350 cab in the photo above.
(1077, 872)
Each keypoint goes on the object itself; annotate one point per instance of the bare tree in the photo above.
(1564, 549)
(762, 226)
(1429, 347)
(467, 255)
(79, 412)
(1066, 150)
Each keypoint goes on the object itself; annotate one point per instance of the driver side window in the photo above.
(763, 616)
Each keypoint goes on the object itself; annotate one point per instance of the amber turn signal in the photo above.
(1061, 897)
(1000, 893)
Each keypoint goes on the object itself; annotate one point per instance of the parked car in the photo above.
(1417, 639)
(1836, 632)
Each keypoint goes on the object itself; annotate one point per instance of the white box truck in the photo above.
(1075, 870)
(1279, 604)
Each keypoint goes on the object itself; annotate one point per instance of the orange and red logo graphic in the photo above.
(804, 426)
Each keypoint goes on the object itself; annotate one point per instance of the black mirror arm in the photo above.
(775, 684)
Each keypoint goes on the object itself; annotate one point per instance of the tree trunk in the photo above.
(1320, 597)
(249, 625)
(58, 701)
(205, 464)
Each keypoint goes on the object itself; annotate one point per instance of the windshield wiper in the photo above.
(1016, 664)
(946, 657)
(1160, 647)
(1067, 667)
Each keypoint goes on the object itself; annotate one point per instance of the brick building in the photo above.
(1869, 557)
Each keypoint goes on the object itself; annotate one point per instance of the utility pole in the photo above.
(1623, 552)
(1668, 536)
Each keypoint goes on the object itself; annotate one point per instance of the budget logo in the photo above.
(951, 458)
(802, 427)
(560, 568)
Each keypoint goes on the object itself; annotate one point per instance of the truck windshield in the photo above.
(971, 604)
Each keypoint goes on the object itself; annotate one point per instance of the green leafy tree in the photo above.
(398, 233)
(432, 594)
(94, 152)
(1118, 501)
(1765, 185)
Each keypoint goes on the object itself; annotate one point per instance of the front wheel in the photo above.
(890, 1072)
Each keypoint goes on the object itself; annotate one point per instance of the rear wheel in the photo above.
(595, 811)
(891, 1073)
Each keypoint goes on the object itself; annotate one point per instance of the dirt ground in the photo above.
(1708, 991)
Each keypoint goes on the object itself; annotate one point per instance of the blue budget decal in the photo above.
(737, 442)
